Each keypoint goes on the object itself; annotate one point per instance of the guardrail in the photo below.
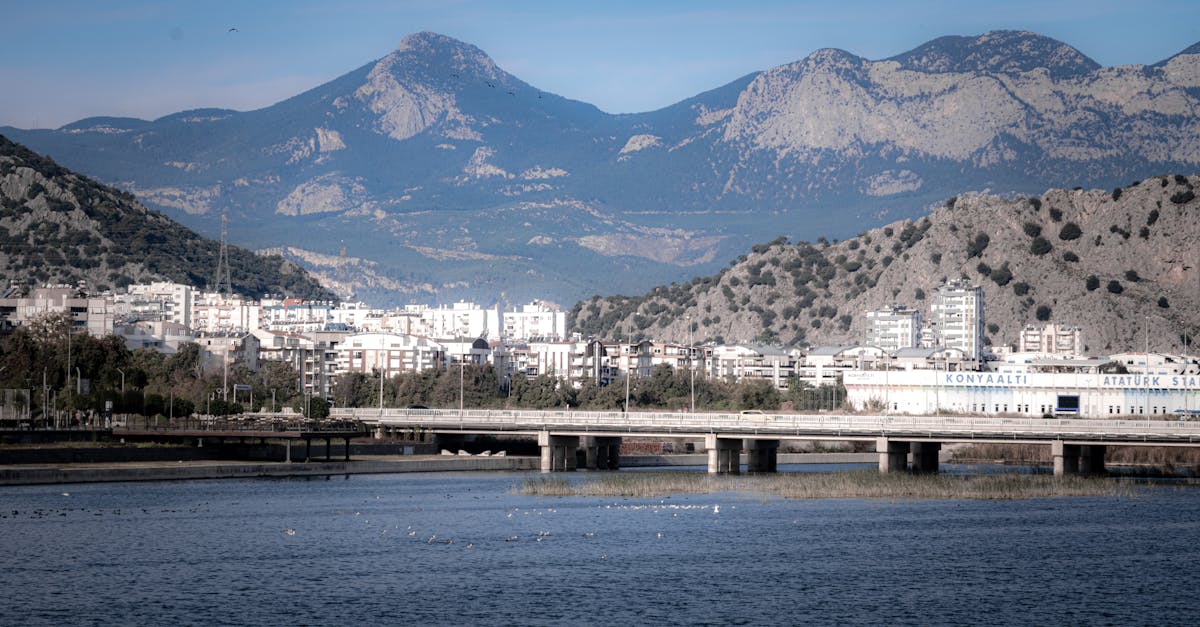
(967, 427)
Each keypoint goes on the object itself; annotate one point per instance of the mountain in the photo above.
(59, 227)
(441, 176)
(1123, 265)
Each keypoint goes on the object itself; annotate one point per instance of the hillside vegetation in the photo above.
(60, 227)
(1115, 262)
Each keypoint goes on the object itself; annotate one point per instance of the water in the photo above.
(372, 549)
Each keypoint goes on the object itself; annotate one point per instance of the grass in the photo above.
(1165, 458)
(855, 484)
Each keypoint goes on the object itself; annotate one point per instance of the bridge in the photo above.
(902, 441)
(242, 429)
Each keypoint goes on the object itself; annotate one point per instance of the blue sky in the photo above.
(64, 60)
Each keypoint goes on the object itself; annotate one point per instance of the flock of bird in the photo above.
(540, 535)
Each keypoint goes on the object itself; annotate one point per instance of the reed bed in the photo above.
(863, 484)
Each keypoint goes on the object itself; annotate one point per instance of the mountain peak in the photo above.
(431, 55)
(997, 52)
(1190, 50)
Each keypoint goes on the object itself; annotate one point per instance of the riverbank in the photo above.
(178, 470)
(865, 484)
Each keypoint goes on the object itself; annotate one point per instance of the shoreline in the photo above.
(100, 472)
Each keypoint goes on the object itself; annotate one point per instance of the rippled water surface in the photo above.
(464, 548)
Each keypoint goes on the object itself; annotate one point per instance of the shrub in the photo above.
(950, 202)
(1020, 289)
(1185, 196)
(983, 269)
(1002, 275)
(1033, 229)
(1116, 193)
(1093, 282)
(993, 328)
(1115, 287)
(1070, 231)
(919, 294)
(1070, 257)
(1162, 302)
(1036, 203)
(976, 246)
(1040, 246)
(936, 258)
(1144, 232)
(1132, 276)
(1181, 179)
(1042, 313)
(1152, 217)
(1055, 214)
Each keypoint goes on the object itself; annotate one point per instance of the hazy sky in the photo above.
(64, 60)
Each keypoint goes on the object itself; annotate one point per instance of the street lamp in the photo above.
(628, 368)
(1146, 372)
(692, 363)
(122, 381)
(461, 367)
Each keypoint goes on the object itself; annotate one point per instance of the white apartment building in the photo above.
(743, 361)
(158, 335)
(88, 314)
(893, 328)
(295, 315)
(219, 350)
(356, 315)
(536, 320)
(315, 365)
(462, 319)
(213, 312)
(160, 300)
(467, 351)
(389, 353)
(956, 317)
(1051, 339)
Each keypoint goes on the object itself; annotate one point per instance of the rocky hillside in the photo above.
(1108, 261)
(59, 227)
(452, 177)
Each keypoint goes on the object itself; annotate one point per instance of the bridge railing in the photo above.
(235, 424)
(878, 424)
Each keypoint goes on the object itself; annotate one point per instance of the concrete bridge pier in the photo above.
(558, 451)
(761, 455)
(893, 455)
(925, 456)
(602, 453)
(724, 455)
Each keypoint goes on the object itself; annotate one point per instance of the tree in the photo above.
(1070, 231)
(1040, 246)
(1043, 313)
(1115, 287)
(976, 247)
(1093, 282)
(1002, 275)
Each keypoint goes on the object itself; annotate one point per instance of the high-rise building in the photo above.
(893, 328)
(956, 317)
